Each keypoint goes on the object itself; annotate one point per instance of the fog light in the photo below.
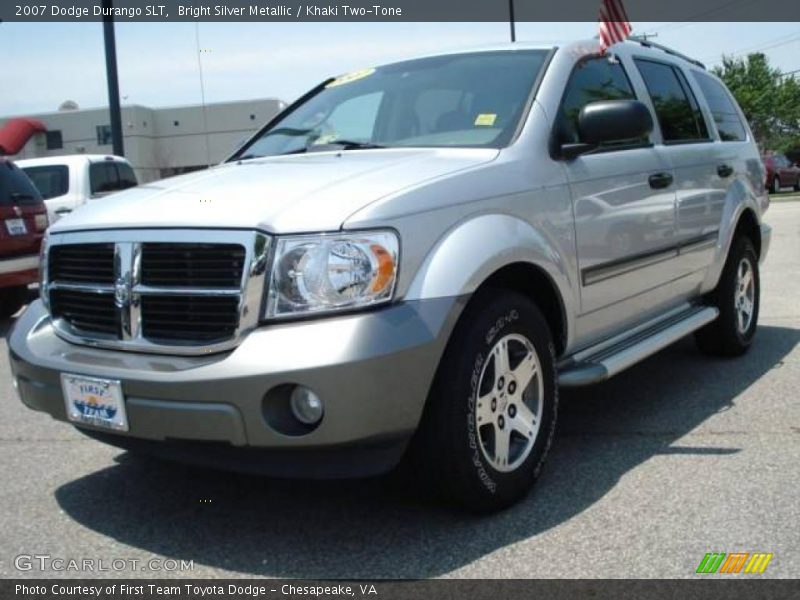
(306, 405)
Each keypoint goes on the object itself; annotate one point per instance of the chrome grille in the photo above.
(203, 318)
(197, 293)
(193, 265)
(78, 263)
(87, 312)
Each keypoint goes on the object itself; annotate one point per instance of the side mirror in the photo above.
(609, 121)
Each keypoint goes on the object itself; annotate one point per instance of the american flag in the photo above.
(614, 25)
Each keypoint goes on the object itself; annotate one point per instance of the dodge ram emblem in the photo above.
(122, 293)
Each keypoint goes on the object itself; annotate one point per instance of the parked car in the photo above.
(67, 182)
(394, 267)
(781, 173)
(23, 220)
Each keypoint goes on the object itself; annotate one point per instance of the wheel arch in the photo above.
(748, 225)
(534, 283)
(502, 251)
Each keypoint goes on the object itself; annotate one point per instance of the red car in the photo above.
(781, 173)
(23, 220)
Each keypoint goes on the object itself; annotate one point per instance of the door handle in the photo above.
(63, 211)
(724, 171)
(659, 181)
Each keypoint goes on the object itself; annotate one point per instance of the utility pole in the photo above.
(112, 80)
(511, 20)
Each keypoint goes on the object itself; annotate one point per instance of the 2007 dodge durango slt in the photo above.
(409, 261)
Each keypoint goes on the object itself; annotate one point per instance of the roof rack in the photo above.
(648, 44)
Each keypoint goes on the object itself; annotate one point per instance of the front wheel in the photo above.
(492, 411)
(737, 297)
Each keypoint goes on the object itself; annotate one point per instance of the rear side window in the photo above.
(677, 110)
(103, 177)
(592, 80)
(127, 178)
(110, 176)
(726, 117)
(50, 180)
(15, 187)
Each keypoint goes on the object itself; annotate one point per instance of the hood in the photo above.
(280, 194)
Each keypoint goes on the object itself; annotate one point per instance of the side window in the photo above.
(51, 180)
(592, 80)
(730, 127)
(103, 177)
(676, 107)
(127, 178)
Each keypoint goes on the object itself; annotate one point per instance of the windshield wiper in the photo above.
(353, 145)
(341, 144)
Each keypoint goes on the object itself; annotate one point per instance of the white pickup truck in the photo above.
(66, 182)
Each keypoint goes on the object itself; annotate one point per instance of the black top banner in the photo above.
(392, 10)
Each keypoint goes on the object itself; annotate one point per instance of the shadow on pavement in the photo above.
(381, 528)
(7, 324)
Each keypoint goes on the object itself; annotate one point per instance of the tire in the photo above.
(776, 185)
(455, 443)
(731, 334)
(12, 299)
(797, 185)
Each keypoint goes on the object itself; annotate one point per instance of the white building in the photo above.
(158, 142)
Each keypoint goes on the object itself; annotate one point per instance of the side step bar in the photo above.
(604, 361)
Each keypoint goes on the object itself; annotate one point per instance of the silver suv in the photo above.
(408, 262)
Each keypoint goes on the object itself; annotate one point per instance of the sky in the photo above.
(45, 64)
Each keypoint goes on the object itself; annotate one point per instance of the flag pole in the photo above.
(511, 20)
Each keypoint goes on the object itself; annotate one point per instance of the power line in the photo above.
(767, 45)
(695, 19)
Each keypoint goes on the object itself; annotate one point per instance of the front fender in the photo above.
(473, 250)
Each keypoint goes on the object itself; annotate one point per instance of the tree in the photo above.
(770, 100)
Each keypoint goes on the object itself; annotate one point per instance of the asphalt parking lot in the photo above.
(678, 456)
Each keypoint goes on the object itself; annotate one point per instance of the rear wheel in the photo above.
(12, 299)
(492, 410)
(737, 297)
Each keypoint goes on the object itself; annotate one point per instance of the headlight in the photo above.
(324, 273)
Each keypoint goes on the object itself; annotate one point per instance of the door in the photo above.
(787, 173)
(704, 166)
(623, 200)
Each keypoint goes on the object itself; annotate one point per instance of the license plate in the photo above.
(16, 227)
(93, 401)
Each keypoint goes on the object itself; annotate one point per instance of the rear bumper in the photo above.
(20, 270)
(766, 239)
(372, 371)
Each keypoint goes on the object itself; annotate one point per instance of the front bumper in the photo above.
(371, 369)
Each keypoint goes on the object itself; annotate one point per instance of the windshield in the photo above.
(464, 100)
(50, 180)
